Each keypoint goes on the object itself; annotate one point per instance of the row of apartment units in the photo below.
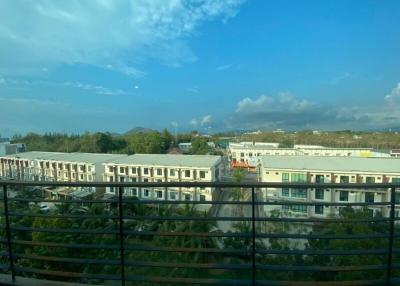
(309, 169)
(165, 168)
(246, 154)
(76, 167)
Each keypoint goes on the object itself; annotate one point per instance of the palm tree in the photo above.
(238, 194)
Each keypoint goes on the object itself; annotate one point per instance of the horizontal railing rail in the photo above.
(203, 184)
(191, 249)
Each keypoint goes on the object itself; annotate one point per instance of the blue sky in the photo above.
(210, 65)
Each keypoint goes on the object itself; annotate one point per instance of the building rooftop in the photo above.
(201, 161)
(92, 158)
(345, 164)
(33, 155)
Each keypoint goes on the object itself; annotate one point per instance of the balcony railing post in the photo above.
(391, 234)
(8, 232)
(121, 235)
(253, 237)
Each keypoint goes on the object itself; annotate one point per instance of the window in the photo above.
(319, 194)
(370, 180)
(111, 169)
(159, 172)
(285, 192)
(202, 174)
(202, 198)
(146, 192)
(145, 180)
(344, 179)
(133, 170)
(134, 192)
(299, 177)
(285, 177)
(299, 193)
(295, 208)
(369, 197)
(187, 197)
(319, 178)
(172, 195)
(133, 179)
(172, 172)
(187, 173)
(80, 176)
(159, 194)
(344, 196)
(319, 210)
(146, 171)
(250, 154)
(121, 170)
(241, 154)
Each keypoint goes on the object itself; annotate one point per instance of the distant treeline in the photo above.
(149, 142)
(154, 142)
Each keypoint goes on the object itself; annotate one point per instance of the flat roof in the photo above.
(33, 155)
(345, 164)
(268, 147)
(92, 158)
(201, 161)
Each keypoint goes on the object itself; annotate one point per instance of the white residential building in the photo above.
(8, 148)
(312, 169)
(55, 166)
(187, 146)
(165, 168)
(245, 155)
(395, 153)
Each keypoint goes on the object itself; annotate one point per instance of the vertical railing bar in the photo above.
(121, 236)
(391, 234)
(8, 233)
(253, 246)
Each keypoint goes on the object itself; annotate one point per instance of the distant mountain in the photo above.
(138, 130)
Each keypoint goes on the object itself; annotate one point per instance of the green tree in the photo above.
(199, 146)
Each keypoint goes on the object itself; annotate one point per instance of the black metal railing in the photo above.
(178, 242)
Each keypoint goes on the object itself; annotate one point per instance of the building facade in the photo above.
(395, 153)
(165, 168)
(8, 148)
(55, 166)
(310, 169)
(246, 154)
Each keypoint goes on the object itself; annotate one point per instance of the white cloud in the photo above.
(394, 95)
(97, 89)
(288, 112)
(117, 35)
(340, 78)
(193, 122)
(193, 90)
(206, 120)
(224, 67)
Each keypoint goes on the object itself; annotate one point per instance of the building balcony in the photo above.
(240, 239)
